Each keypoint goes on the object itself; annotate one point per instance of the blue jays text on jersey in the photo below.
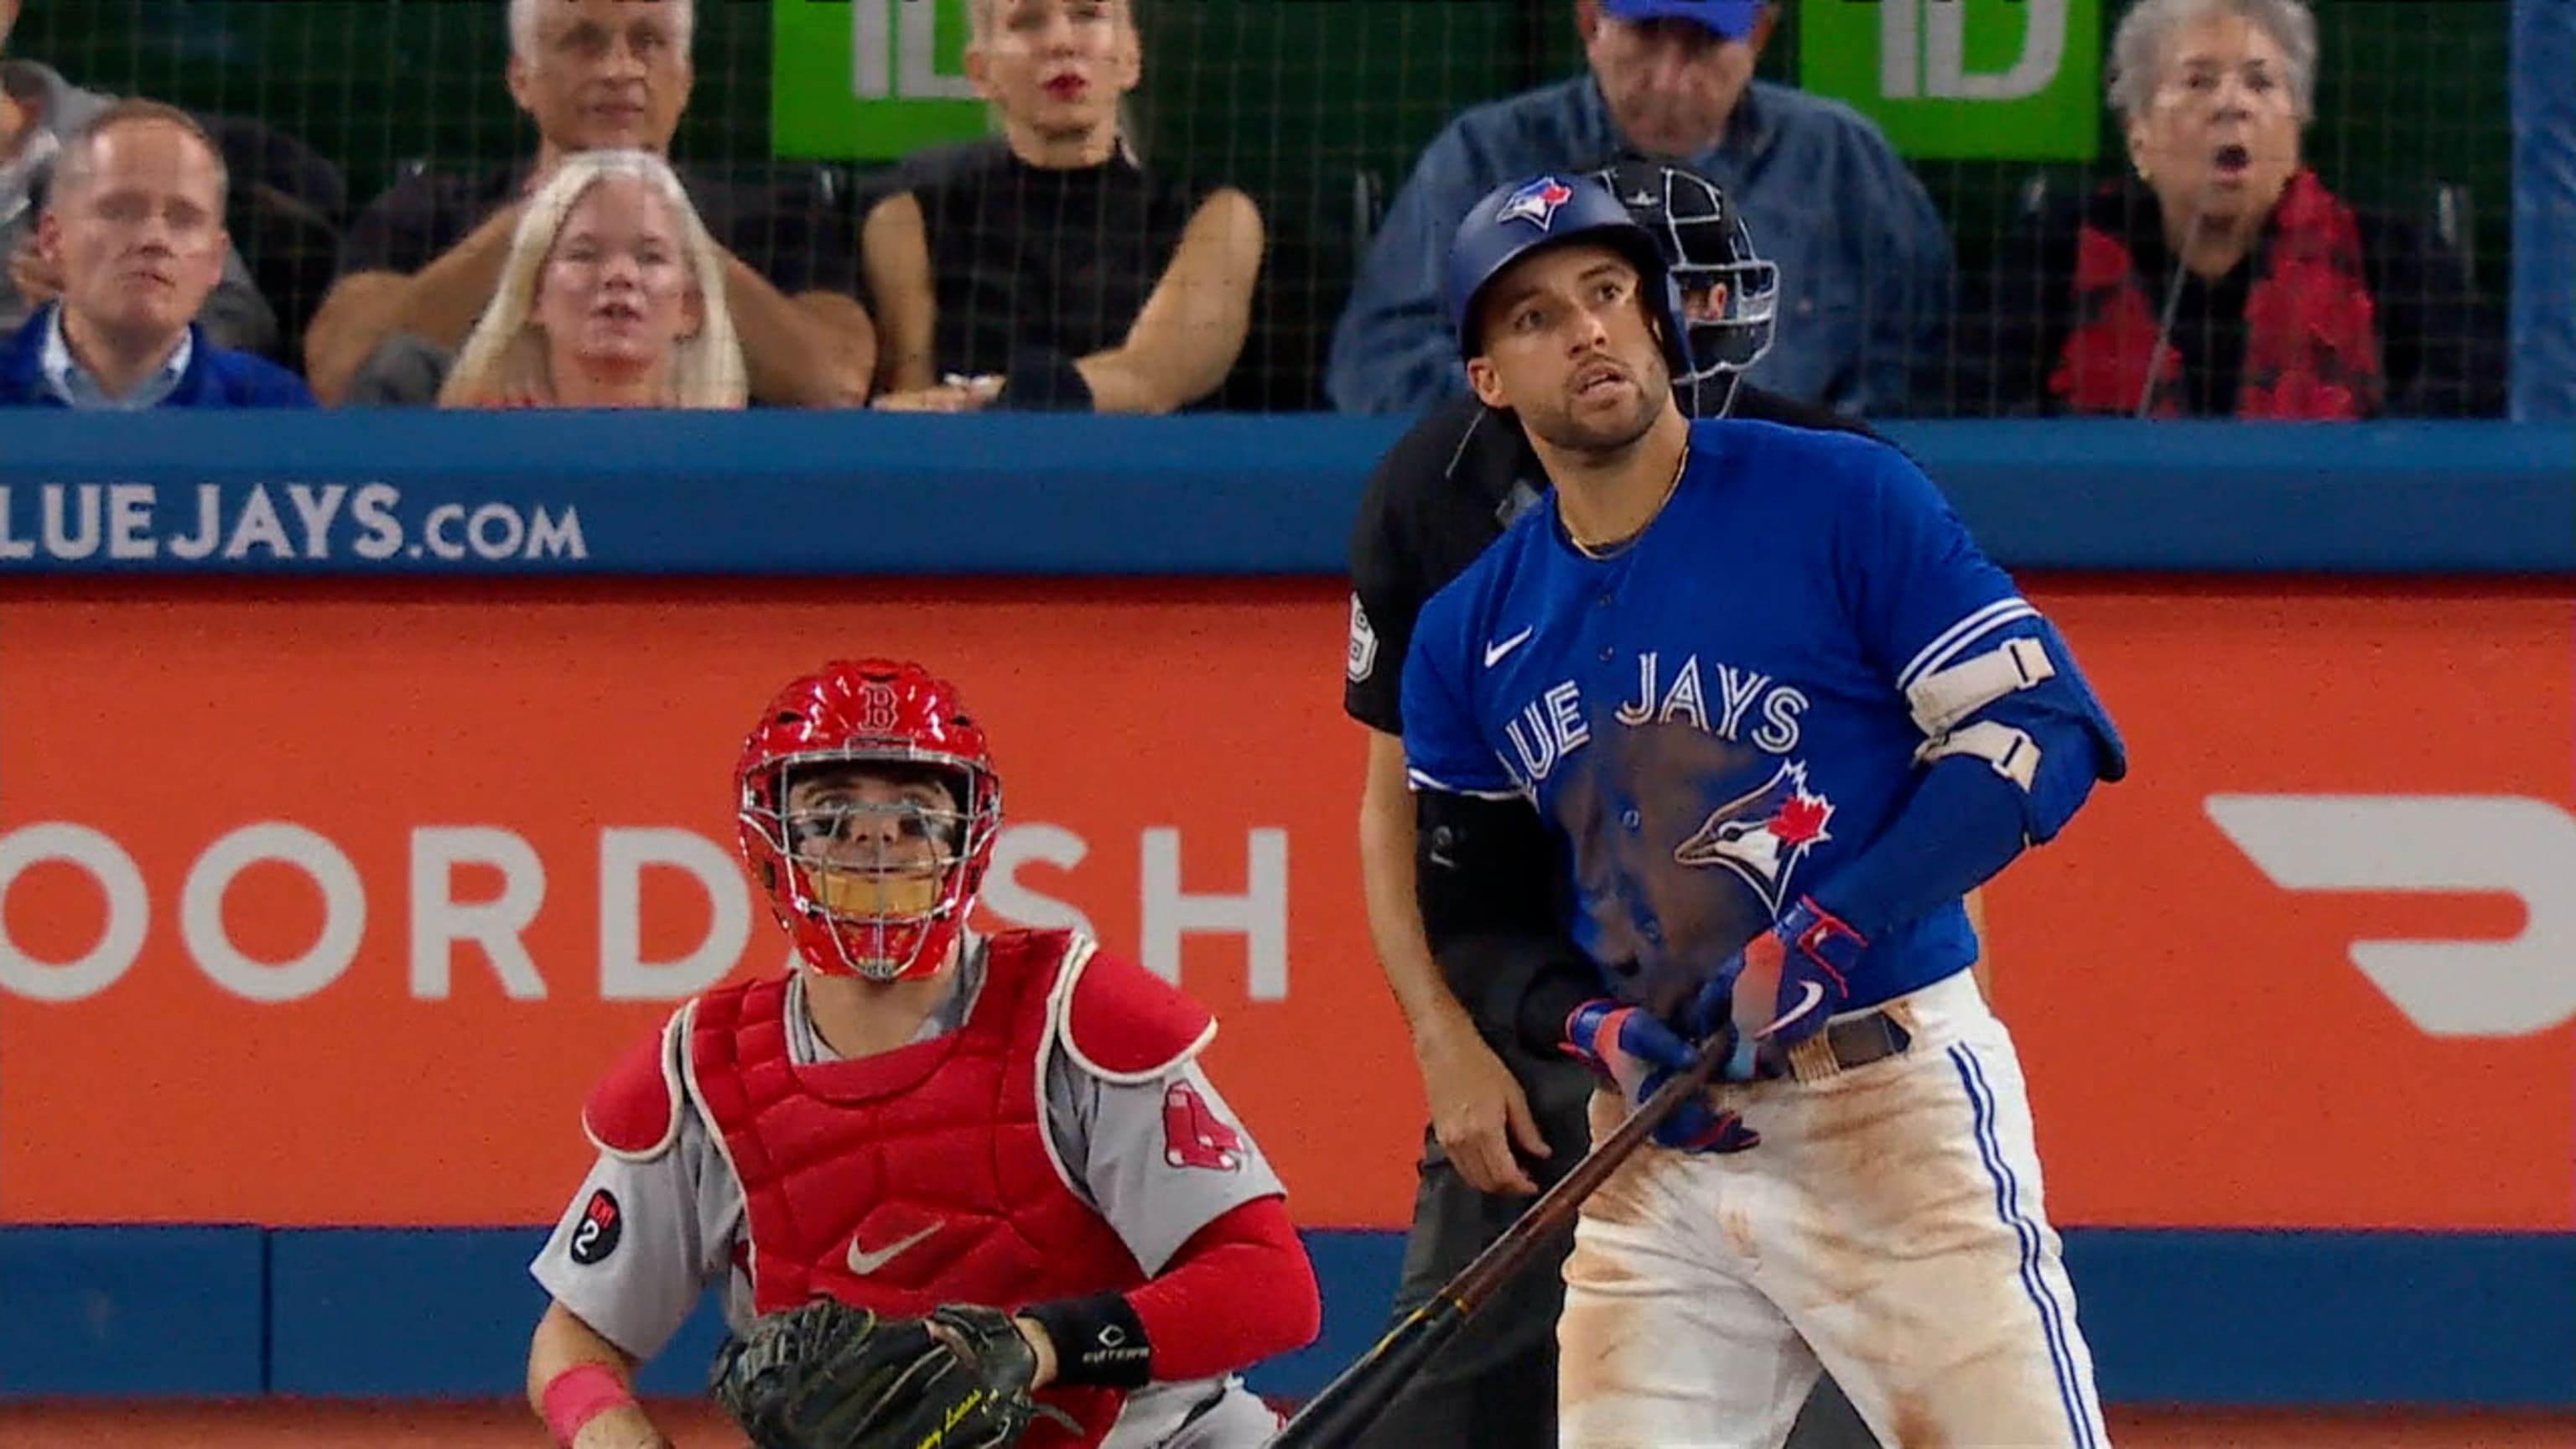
(1716, 716)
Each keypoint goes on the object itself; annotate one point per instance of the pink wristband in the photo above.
(578, 1395)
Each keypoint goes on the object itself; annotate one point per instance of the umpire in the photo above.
(1486, 1010)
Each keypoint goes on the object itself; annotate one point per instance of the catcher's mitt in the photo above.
(829, 1376)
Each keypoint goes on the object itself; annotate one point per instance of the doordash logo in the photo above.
(2500, 844)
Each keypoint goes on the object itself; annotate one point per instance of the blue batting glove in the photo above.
(1637, 1053)
(1786, 983)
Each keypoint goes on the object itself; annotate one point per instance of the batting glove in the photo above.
(1786, 983)
(1636, 1053)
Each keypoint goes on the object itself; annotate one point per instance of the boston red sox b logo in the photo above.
(878, 708)
(1193, 1136)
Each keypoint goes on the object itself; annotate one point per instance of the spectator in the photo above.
(612, 296)
(134, 229)
(1045, 268)
(425, 257)
(38, 109)
(2224, 279)
(1864, 260)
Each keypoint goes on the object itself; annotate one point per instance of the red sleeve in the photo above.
(1239, 1291)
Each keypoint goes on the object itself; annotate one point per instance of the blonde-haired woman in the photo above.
(1046, 268)
(612, 296)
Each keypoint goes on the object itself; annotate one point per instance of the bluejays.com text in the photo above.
(283, 522)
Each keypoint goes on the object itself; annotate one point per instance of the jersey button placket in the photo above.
(1603, 601)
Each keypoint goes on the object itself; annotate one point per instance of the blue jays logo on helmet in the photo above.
(1521, 218)
(1762, 834)
(1535, 203)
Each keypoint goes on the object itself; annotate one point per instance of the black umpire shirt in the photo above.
(1444, 491)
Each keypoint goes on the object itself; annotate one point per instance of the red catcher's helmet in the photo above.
(899, 718)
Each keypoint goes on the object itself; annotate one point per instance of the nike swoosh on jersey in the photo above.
(1815, 993)
(1494, 652)
(864, 1263)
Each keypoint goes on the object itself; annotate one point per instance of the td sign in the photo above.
(869, 80)
(1960, 79)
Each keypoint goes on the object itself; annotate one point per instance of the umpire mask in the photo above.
(1730, 294)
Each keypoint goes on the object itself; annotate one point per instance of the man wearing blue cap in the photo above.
(1484, 999)
(1864, 259)
(1783, 890)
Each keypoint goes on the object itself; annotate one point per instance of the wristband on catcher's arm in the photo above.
(1099, 1341)
(580, 1394)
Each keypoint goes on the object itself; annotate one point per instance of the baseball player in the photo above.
(1437, 499)
(999, 1144)
(1778, 715)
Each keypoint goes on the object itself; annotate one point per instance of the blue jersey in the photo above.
(1714, 717)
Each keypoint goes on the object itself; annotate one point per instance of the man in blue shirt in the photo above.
(1779, 715)
(39, 110)
(1864, 259)
(135, 228)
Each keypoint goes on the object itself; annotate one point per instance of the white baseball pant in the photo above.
(1890, 1224)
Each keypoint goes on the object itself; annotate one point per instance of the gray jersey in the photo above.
(641, 1240)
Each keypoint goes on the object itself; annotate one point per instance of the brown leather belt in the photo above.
(1847, 1045)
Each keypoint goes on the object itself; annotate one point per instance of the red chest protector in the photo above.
(926, 1175)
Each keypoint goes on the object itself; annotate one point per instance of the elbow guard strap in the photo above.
(2024, 709)
(1940, 700)
(2013, 753)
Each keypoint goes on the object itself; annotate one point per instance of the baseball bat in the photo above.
(1346, 1407)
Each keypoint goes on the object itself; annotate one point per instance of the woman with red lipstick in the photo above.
(612, 296)
(1045, 268)
(2222, 279)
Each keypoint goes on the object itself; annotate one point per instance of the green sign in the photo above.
(868, 80)
(1959, 79)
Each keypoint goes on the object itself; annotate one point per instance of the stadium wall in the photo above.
(277, 1118)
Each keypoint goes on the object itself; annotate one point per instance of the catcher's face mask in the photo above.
(877, 856)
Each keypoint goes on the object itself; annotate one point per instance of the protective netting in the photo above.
(1317, 110)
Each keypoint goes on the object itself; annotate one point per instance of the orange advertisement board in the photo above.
(325, 904)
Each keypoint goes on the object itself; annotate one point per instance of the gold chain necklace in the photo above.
(1597, 551)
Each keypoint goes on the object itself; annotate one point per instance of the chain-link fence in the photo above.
(1319, 110)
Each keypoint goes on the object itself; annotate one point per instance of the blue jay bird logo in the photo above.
(1762, 834)
(1536, 203)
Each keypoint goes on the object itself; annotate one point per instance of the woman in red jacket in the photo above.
(2220, 277)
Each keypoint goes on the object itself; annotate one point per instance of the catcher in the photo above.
(963, 1190)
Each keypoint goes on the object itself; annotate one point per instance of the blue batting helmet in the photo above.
(1521, 218)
